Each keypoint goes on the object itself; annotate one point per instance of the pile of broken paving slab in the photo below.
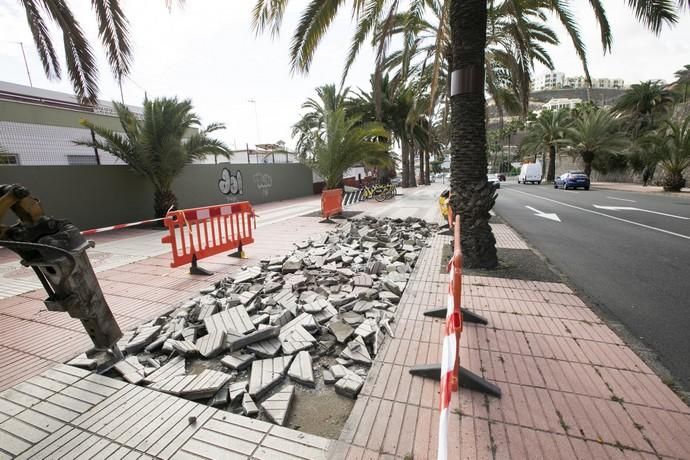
(329, 302)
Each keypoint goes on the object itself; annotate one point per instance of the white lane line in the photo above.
(621, 199)
(538, 213)
(605, 215)
(628, 208)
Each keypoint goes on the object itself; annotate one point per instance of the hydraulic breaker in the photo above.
(56, 250)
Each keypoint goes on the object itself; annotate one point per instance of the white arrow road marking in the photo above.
(550, 216)
(628, 208)
(621, 199)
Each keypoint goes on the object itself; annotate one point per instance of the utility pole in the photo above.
(248, 159)
(256, 118)
(26, 64)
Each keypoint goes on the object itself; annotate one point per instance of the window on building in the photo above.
(81, 160)
(7, 159)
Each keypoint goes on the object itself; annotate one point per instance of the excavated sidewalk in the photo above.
(571, 387)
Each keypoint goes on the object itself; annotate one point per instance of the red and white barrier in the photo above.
(119, 226)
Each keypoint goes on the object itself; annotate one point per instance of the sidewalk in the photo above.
(571, 388)
(630, 187)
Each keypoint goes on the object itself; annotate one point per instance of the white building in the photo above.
(39, 127)
(605, 83)
(547, 81)
(561, 103)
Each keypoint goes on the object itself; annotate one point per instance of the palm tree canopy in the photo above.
(596, 132)
(645, 98)
(549, 129)
(159, 145)
(81, 64)
(345, 141)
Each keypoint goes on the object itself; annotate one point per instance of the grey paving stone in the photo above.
(339, 371)
(325, 314)
(328, 377)
(278, 405)
(297, 339)
(363, 279)
(367, 329)
(266, 348)
(130, 369)
(259, 319)
(282, 318)
(301, 369)
(305, 320)
(237, 389)
(248, 406)
(242, 276)
(356, 350)
(350, 385)
(211, 344)
(220, 398)
(205, 384)
(236, 341)
(341, 330)
(183, 347)
(143, 337)
(362, 306)
(237, 360)
(83, 361)
(232, 320)
(352, 318)
(189, 334)
(156, 344)
(267, 373)
(174, 367)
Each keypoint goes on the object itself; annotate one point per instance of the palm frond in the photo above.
(42, 40)
(112, 29)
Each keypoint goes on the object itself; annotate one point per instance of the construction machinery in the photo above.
(56, 250)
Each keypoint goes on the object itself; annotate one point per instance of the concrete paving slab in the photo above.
(267, 373)
(211, 344)
(205, 385)
(183, 347)
(236, 341)
(350, 385)
(173, 368)
(249, 408)
(130, 369)
(242, 276)
(237, 389)
(297, 339)
(278, 405)
(232, 320)
(356, 350)
(84, 362)
(341, 330)
(325, 315)
(301, 369)
(367, 329)
(238, 360)
(266, 348)
(143, 337)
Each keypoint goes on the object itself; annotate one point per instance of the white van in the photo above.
(530, 172)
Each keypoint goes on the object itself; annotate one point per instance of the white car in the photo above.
(493, 179)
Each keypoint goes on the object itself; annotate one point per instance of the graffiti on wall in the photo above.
(264, 182)
(229, 183)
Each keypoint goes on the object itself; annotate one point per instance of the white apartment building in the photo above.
(558, 80)
(561, 103)
(547, 81)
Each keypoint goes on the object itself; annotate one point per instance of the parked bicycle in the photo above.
(380, 192)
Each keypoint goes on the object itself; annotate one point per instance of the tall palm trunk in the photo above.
(412, 173)
(422, 175)
(587, 158)
(162, 201)
(405, 153)
(551, 174)
(472, 197)
(427, 169)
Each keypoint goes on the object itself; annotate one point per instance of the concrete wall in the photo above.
(96, 196)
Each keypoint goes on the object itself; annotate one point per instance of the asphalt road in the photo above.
(634, 264)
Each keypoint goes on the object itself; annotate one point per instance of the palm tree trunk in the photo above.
(587, 158)
(427, 169)
(412, 172)
(422, 175)
(472, 196)
(162, 201)
(405, 153)
(551, 174)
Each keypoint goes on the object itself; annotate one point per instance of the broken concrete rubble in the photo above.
(330, 303)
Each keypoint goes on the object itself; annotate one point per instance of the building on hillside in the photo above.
(557, 80)
(561, 103)
(38, 127)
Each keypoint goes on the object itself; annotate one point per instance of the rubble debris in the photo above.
(237, 389)
(266, 373)
(331, 302)
(237, 360)
(278, 405)
(349, 385)
(301, 369)
(248, 407)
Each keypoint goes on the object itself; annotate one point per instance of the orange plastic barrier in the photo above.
(203, 232)
(331, 202)
(456, 292)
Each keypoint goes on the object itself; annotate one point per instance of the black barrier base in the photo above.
(239, 254)
(466, 378)
(468, 316)
(197, 270)
(328, 220)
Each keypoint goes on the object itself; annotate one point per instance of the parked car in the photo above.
(572, 179)
(502, 177)
(493, 178)
(530, 172)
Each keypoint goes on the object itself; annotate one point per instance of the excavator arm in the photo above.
(56, 250)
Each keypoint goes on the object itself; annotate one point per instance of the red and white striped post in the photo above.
(450, 359)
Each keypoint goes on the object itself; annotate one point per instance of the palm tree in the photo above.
(645, 103)
(670, 147)
(544, 134)
(160, 145)
(595, 133)
(81, 64)
(468, 24)
(344, 141)
(683, 78)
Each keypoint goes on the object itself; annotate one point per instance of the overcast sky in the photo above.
(206, 51)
